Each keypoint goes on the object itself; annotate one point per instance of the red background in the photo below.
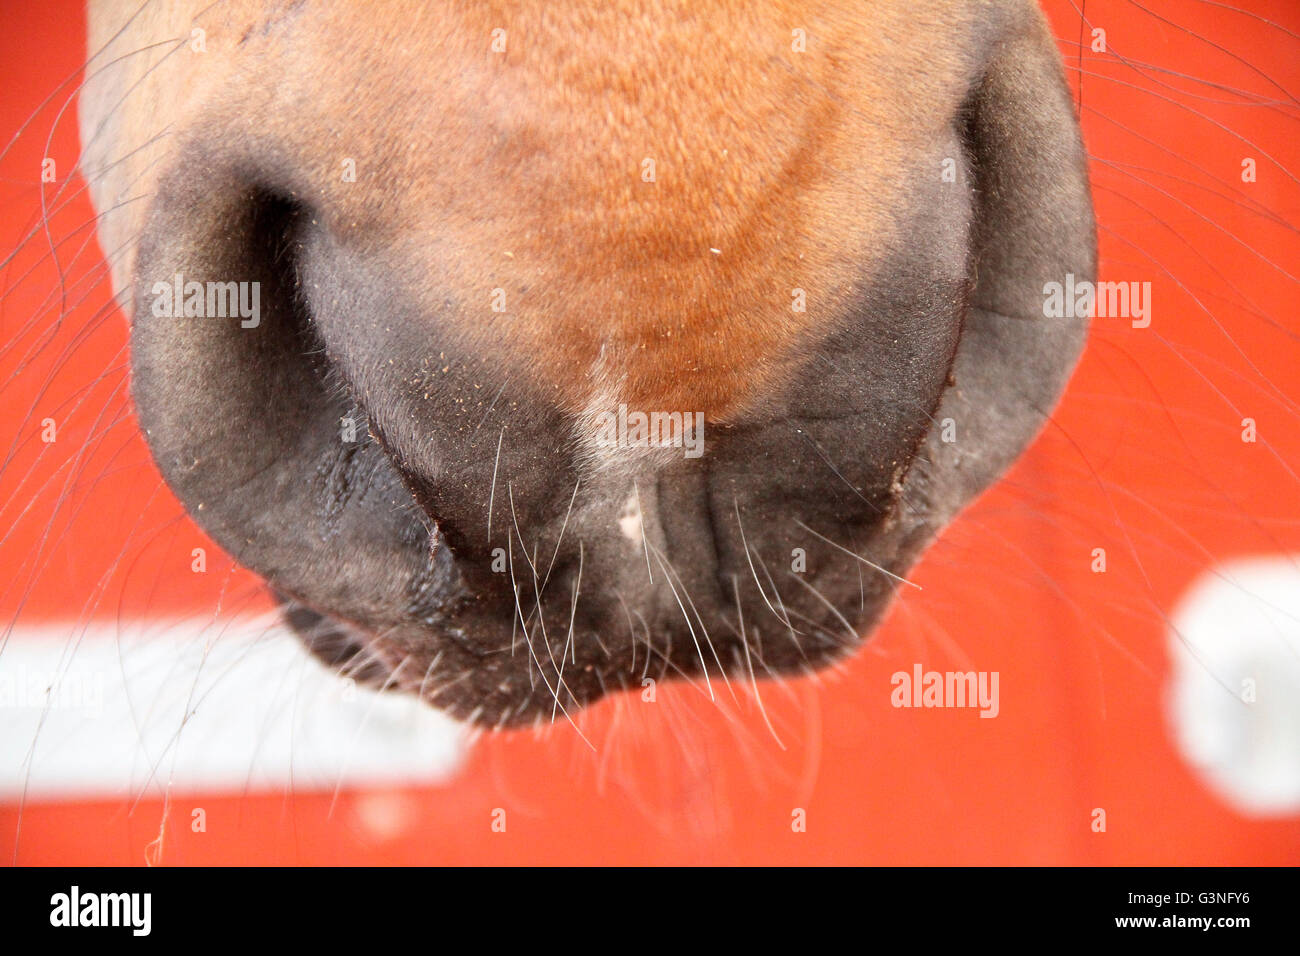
(1143, 458)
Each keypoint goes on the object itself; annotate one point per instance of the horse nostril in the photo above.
(251, 423)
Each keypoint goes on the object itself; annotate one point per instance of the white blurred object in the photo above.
(1234, 700)
(100, 713)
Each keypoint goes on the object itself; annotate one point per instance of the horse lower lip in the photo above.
(337, 644)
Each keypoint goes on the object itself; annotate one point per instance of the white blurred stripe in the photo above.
(1234, 701)
(101, 714)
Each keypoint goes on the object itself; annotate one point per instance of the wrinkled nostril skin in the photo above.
(407, 444)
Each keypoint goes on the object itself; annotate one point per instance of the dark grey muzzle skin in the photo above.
(773, 552)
